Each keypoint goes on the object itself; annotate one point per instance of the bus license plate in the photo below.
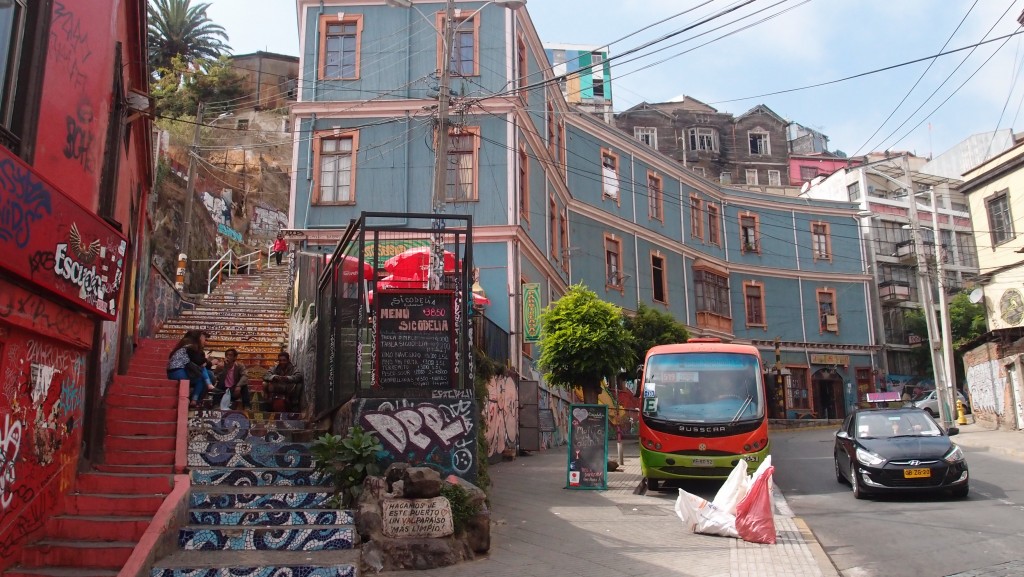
(703, 463)
(916, 473)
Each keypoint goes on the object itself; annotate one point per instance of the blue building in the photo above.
(558, 197)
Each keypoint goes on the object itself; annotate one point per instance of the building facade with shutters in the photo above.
(558, 197)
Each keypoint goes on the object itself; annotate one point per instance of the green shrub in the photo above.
(347, 461)
(462, 510)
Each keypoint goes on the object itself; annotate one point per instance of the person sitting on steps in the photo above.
(283, 386)
(187, 362)
(232, 380)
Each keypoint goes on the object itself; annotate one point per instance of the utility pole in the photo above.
(190, 186)
(947, 333)
(436, 272)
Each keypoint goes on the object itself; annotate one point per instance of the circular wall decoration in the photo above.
(1011, 307)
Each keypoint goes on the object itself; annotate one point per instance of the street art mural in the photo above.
(161, 303)
(501, 415)
(436, 433)
(557, 401)
(42, 395)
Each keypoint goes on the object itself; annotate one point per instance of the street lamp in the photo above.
(436, 268)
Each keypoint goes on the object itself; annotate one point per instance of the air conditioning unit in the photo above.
(831, 322)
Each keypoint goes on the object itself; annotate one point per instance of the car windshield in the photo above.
(904, 424)
(921, 396)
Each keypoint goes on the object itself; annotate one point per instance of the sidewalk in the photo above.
(541, 529)
(978, 437)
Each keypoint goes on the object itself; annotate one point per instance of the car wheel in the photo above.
(653, 484)
(839, 474)
(858, 491)
(961, 492)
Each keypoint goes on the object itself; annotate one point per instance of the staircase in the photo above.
(109, 509)
(257, 506)
(248, 313)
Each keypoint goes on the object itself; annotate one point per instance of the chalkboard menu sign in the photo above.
(415, 339)
(588, 447)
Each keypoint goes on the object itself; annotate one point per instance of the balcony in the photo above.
(893, 292)
(907, 255)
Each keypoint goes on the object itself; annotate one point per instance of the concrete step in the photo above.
(86, 554)
(292, 538)
(97, 527)
(144, 415)
(134, 469)
(132, 428)
(92, 504)
(139, 458)
(56, 571)
(124, 483)
(128, 401)
(258, 477)
(131, 443)
(340, 563)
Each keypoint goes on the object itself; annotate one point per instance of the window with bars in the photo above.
(711, 292)
(335, 166)
(340, 46)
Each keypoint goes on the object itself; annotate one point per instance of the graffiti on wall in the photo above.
(502, 415)
(557, 401)
(10, 446)
(440, 434)
(987, 383)
(266, 222)
(161, 303)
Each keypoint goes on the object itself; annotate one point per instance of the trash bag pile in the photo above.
(742, 508)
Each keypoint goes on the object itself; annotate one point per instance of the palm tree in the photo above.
(178, 29)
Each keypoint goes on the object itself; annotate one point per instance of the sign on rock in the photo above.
(418, 517)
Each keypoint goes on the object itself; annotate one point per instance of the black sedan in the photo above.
(898, 450)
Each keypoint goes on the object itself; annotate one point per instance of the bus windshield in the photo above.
(704, 387)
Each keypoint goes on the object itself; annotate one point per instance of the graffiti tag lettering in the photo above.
(23, 201)
(10, 445)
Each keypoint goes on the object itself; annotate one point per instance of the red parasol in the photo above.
(350, 269)
(481, 300)
(399, 282)
(414, 262)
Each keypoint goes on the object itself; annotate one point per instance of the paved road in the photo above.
(912, 536)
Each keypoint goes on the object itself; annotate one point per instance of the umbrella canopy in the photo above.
(414, 262)
(350, 268)
(400, 282)
(481, 300)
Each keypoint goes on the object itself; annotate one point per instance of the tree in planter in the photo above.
(347, 461)
(583, 340)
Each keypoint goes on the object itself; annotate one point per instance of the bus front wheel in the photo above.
(653, 484)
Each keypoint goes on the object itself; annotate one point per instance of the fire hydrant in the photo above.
(961, 418)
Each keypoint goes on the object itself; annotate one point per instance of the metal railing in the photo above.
(233, 264)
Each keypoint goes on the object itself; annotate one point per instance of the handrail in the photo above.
(232, 262)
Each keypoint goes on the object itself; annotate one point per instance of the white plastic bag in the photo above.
(225, 401)
(702, 516)
(733, 489)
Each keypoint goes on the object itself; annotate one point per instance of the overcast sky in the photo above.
(809, 42)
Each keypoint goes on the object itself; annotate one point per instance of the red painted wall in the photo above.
(43, 353)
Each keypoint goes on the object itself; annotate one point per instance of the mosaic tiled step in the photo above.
(238, 454)
(215, 497)
(265, 517)
(291, 538)
(258, 477)
(246, 420)
(255, 434)
(339, 563)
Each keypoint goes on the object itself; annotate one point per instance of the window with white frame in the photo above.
(647, 135)
(702, 138)
(759, 144)
(750, 175)
(699, 170)
(725, 178)
(774, 178)
(610, 174)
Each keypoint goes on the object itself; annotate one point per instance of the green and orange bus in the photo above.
(703, 409)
